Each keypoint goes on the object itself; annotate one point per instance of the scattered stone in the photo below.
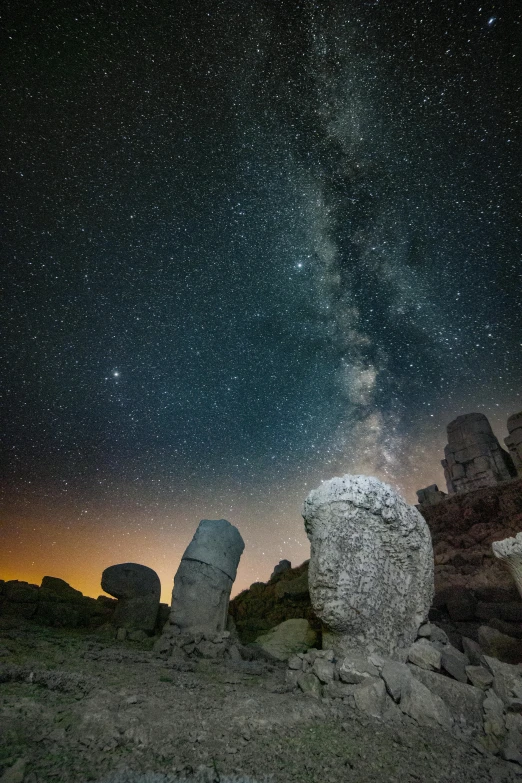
(424, 630)
(512, 747)
(423, 706)
(394, 675)
(370, 697)
(473, 650)
(498, 645)
(121, 634)
(137, 589)
(479, 677)
(454, 662)
(287, 639)
(309, 684)
(371, 566)
(424, 654)
(338, 690)
(295, 662)
(464, 702)
(324, 670)
(507, 679)
(355, 668)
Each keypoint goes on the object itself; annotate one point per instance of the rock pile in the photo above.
(371, 566)
(470, 694)
(177, 648)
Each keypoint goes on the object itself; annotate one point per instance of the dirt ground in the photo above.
(77, 706)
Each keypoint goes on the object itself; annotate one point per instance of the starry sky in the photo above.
(247, 245)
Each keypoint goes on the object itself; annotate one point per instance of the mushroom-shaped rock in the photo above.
(137, 589)
(371, 566)
(205, 577)
(509, 551)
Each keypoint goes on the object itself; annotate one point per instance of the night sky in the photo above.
(246, 246)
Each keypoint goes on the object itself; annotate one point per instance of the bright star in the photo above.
(492, 20)
(299, 265)
(116, 374)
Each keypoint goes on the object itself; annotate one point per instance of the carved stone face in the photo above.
(371, 565)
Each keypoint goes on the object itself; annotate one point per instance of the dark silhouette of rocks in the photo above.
(138, 590)
(430, 495)
(55, 603)
(473, 456)
(281, 567)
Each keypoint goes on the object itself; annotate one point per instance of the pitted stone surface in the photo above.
(371, 566)
(137, 589)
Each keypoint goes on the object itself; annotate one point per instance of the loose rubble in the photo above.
(438, 686)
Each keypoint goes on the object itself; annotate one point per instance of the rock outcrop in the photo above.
(514, 440)
(138, 590)
(55, 603)
(265, 605)
(473, 456)
(281, 567)
(371, 567)
(438, 687)
(463, 527)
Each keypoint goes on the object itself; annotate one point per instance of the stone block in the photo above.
(454, 662)
(463, 702)
(422, 653)
(395, 675)
(425, 707)
(370, 697)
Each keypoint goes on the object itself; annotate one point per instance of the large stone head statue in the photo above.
(371, 565)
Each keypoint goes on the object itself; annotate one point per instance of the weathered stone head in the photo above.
(205, 577)
(371, 565)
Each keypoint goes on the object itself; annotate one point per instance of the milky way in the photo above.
(248, 246)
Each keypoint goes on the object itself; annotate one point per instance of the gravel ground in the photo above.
(79, 707)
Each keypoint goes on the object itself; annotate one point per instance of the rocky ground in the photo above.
(76, 707)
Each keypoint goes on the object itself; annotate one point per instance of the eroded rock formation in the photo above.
(371, 566)
(138, 590)
(473, 455)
